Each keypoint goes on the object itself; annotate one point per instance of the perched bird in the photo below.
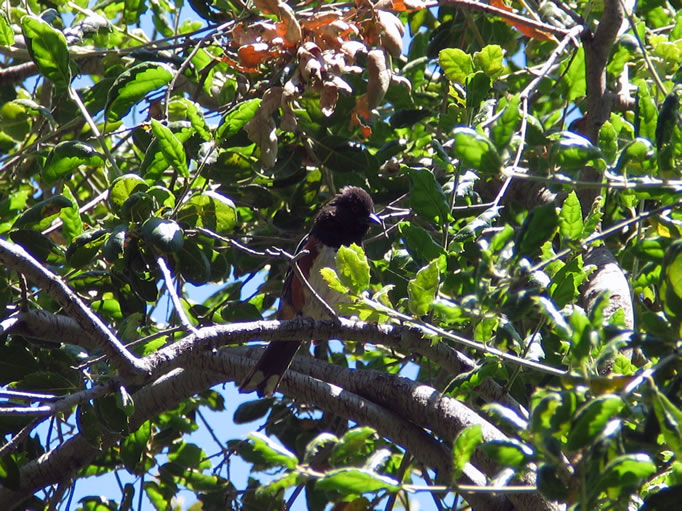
(342, 221)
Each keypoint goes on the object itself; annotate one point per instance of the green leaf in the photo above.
(572, 152)
(539, 226)
(507, 453)
(626, 472)
(490, 60)
(48, 50)
(422, 290)
(134, 446)
(669, 419)
(591, 420)
(426, 196)
(41, 215)
(277, 485)
(65, 158)
(671, 281)
(123, 187)
(73, 224)
(574, 76)
(250, 411)
(85, 247)
(155, 162)
(456, 64)
(236, 118)
(211, 211)
(419, 243)
(333, 281)
(133, 85)
(115, 244)
(507, 124)
(165, 235)
(636, 156)
(271, 453)
(352, 268)
(475, 151)
(355, 481)
(463, 448)
(571, 218)
(171, 148)
(6, 32)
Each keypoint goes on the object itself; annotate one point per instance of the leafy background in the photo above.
(514, 328)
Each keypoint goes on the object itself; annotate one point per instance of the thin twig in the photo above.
(293, 261)
(168, 279)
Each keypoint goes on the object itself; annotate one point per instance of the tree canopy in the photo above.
(511, 335)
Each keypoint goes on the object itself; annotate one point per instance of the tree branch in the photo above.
(16, 258)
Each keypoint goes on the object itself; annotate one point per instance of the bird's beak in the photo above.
(374, 218)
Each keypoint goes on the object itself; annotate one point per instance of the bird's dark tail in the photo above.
(268, 371)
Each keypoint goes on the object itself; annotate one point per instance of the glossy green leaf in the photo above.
(419, 242)
(48, 50)
(134, 446)
(463, 448)
(626, 471)
(571, 151)
(422, 290)
(571, 218)
(333, 281)
(352, 268)
(539, 226)
(6, 32)
(155, 162)
(456, 64)
(507, 124)
(426, 196)
(73, 224)
(165, 235)
(131, 86)
(669, 419)
(41, 215)
(507, 453)
(66, 157)
(591, 420)
(490, 60)
(356, 481)
(123, 187)
(272, 454)
(211, 211)
(236, 118)
(635, 156)
(250, 411)
(171, 148)
(573, 71)
(475, 151)
(114, 245)
(85, 247)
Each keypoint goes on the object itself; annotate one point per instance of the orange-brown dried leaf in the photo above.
(328, 98)
(531, 32)
(360, 114)
(392, 32)
(268, 6)
(252, 55)
(379, 77)
(293, 34)
(261, 129)
(408, 5)
(319, 20)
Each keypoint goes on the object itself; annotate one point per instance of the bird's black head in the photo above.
(346, 218)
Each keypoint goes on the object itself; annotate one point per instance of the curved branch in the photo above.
(16, 258)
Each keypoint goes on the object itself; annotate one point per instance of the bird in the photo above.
(344, 220)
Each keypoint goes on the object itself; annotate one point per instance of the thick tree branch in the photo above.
(16, 258)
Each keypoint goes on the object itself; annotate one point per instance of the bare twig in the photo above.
(168, 279)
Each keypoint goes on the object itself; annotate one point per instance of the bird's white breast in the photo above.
(326, 257)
